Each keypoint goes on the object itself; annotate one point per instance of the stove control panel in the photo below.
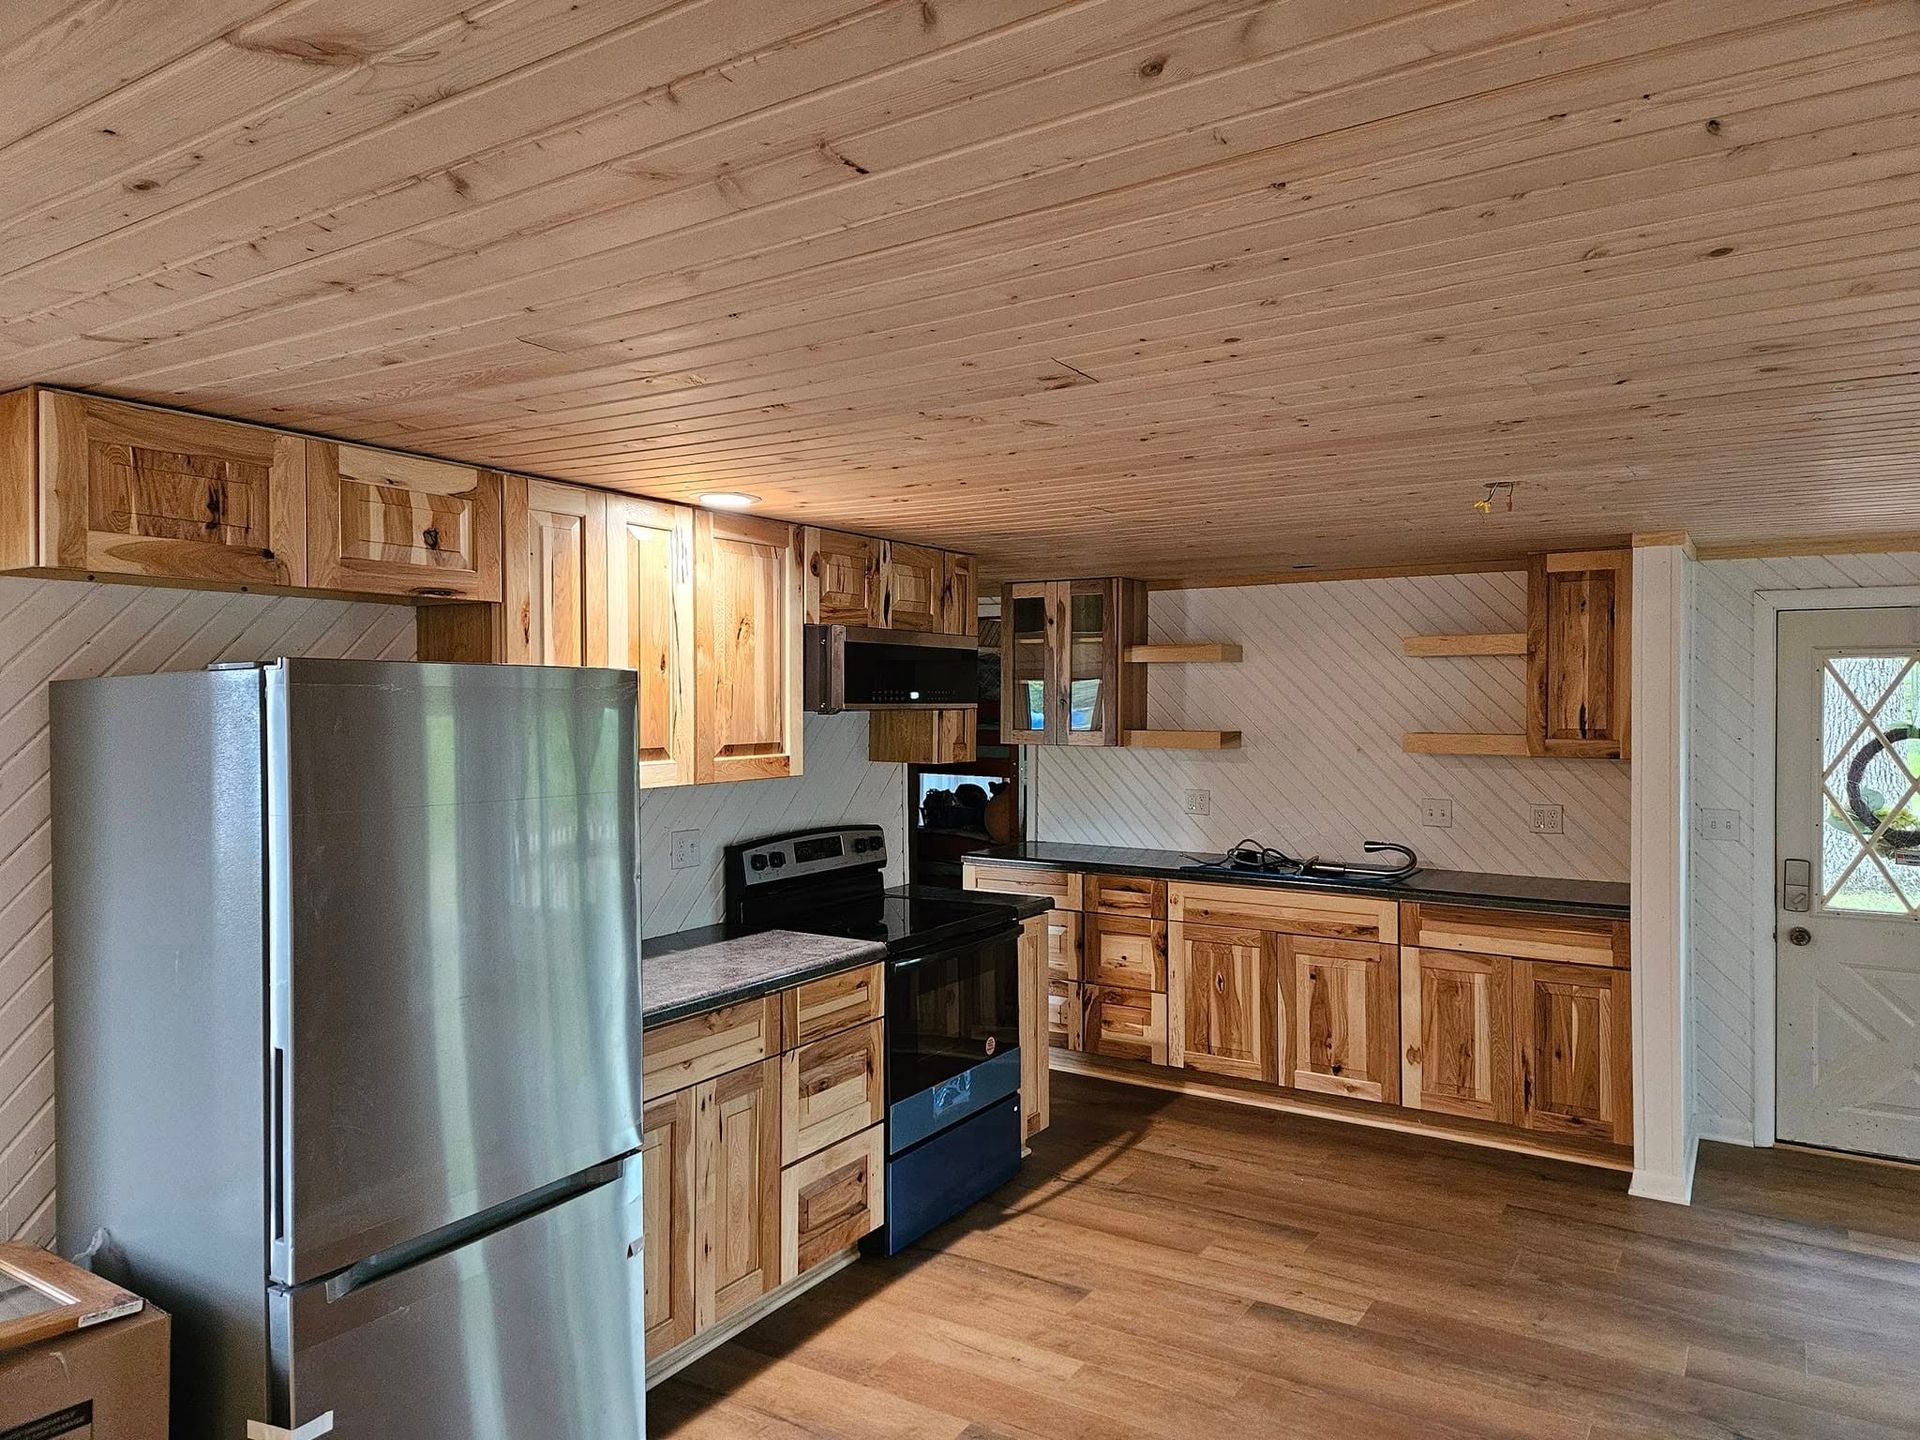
(805, 854)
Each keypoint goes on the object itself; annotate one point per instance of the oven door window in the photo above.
(949, 1010)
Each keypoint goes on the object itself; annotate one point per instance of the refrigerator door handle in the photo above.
(276, 1139)
(403, 1257)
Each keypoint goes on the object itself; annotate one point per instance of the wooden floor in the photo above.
(1173, 1267)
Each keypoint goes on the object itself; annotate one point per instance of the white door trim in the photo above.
(1767, 607)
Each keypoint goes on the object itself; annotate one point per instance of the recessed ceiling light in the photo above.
(728, 500)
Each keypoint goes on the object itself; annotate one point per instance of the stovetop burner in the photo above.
(1249, 857)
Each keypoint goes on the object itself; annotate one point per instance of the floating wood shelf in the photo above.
(1440, 742)
(1183, 739)
(1181, 654)
(1510, 643)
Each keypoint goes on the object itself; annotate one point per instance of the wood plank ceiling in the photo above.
(1152, 287)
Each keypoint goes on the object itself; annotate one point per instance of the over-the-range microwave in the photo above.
(852, 667)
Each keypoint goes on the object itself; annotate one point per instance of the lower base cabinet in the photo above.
(1223, 1001)
(737, 1165)
(667, 1193)
(829, 1200)
(1573, 1045)
(1340, 1011)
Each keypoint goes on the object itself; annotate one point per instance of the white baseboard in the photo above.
(1724, 1129)
(1666, 1186)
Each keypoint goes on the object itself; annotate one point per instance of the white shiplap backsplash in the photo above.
(51, 629)
(1724, 768)
(1322, 697)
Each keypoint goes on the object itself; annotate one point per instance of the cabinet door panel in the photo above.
(667, 1188)
(554, 572)
(129, 491)
(1066, 1016)
(830, 1201)
(1127, 895)
(1035, 1023)
(1579, 666)
(382, 523)
(959, 596)
(747, 603)
(1573, 1050)
(1455, 1022)
(650, 601)
(1123, 951)
(1222, 1001)
(915, 580)
(737, 1219)
(843, 579)
(831, 1089)
(1063, 944)
(1033, 682)
(1341, 1002)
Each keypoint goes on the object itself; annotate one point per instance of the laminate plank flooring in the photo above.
(1177, 1267)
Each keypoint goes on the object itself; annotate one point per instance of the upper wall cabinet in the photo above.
(388, 524)
(1579, 661)
(914, 580)
(843, 578)
(554, 562)
(748, 700)
(122, 490)
(959, 596)
(650, 629)
(1063, 680)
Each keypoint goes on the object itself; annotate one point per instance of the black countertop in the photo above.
(1606, 899)
(693, 971)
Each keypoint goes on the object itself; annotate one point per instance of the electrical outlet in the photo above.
(1547, 820)
(684, 850)
(1437, 813)
(1719, 825)
(1199, 802)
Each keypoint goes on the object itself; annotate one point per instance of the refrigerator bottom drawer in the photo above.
(531, 1329)
(940, 1177)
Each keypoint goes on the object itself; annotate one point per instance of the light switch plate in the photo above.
(684, 851)
(1199, 802)
(1437, 813)
(1719, 825)
(1547, 820)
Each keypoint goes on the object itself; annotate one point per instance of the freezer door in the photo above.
(453, 940)
(535, 1330)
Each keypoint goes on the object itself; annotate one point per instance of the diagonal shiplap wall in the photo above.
(1724, 767)
(1323, 696)
(51, 629)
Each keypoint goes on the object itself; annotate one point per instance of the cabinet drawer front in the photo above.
(1065, 1013)
(1063, 944)
(1124, 1024)
(827, 1202)
(1562, 939)
(1330, 917)
(700, 1047)
(1063, 887)
(831, 1089)
(1119, 950)
(1127, 895)
(823, 1007)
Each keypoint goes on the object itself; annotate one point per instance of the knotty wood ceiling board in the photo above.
(1145, 286)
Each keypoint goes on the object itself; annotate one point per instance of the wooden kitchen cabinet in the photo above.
(1457, 1033)
(1066, 1016)
(1126, 895)
(737, 1184)
(844, 579)
(1063, 887)
(705, 1046)
(1223, 1002)
(913, 583)
(98, 487)
(830, 1200)
(835, 1002)
(1339, 1007)
(1063, 677)
(748, 594)
(959, 596)
(1572, 1049)
(1579, 655)
(1035, 1026)
(554, 572)
(831, 1089)
(650, 629)
(384, 523)
(1123, 950)
(1124, 1024)
(667, 1194)
(922, 737)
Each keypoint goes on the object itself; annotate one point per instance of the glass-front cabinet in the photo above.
(1065, 678)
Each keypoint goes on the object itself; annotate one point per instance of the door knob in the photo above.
(1799, 935)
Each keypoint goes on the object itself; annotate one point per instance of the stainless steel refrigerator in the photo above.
(348, 1040)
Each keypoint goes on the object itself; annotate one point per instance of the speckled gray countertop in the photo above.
(679, 982)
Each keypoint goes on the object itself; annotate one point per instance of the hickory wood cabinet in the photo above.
(762, 1147)
(1498, 1019)
(1062, 677)
(111, 490)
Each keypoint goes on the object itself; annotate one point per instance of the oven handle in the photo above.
(907, 964)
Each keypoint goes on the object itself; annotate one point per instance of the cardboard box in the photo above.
(106, 1382)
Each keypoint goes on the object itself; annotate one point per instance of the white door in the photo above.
(1847, 891)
